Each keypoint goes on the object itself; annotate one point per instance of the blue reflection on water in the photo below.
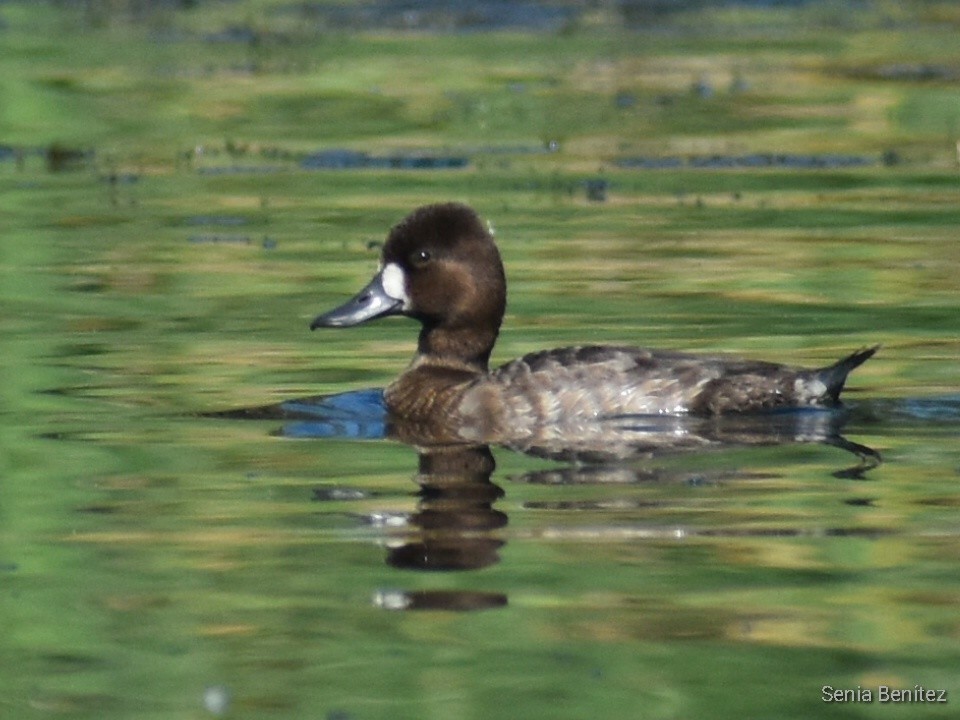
(359, 415)
(942, 408)
(362, 415)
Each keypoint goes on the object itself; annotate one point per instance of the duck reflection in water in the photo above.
(456, 522)
(456, 526)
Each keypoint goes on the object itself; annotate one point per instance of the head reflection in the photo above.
(454, 526)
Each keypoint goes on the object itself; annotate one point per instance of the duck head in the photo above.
(440, 266)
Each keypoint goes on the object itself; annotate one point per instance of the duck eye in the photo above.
(420, 257)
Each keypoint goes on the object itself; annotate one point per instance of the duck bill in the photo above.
(370, 303)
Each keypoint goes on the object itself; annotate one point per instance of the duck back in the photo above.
(589, 382)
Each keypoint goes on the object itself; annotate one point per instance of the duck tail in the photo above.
(834, 376)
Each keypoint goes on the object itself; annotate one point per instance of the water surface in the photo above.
(160, 561)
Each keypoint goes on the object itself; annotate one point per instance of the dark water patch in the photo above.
(790, 161)
(8, 153)
(219, 220)
(116, 179)
(908, 72)
(55, 157)
(242, 34)
(943, 502)
(62, 436)
(119, 186)
(869, 533)
(61, 158)
(236, 34)
(103, 13)
(169, 34)
(651, 163)
(98, 509)
(87, 285)
(241, 170)
(349, 159)
(97, 323)
(439, 15)
(702, 88)
(338, 714)
(211, 70)
(938, 410)
(935, 409)
(642, 14)
(594, 505)
(452, 600)
(82, 349)
(336, 160)
(596, 189)
(72, 661)
(339, 159)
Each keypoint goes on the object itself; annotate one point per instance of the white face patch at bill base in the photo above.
(394, 284)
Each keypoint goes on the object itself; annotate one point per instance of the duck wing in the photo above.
(602, 381)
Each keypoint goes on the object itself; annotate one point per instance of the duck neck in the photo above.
(466, 347)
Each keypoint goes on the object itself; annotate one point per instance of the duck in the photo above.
(441, 267)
